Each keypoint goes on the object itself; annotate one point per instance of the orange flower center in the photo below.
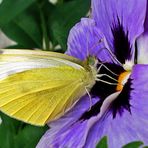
(123, 77)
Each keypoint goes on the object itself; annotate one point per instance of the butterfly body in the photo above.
(37, 87)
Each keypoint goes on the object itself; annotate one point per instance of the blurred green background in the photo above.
(39, 23)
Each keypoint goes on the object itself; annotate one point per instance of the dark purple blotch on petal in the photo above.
(122, 47)
(103, 90)
(94, 110)
(136, 53)
(122, 102)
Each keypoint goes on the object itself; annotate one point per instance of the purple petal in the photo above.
(130, 126)
(142, 44)
(85, 39)
(66, 130)
(121, 130)
(130, 13)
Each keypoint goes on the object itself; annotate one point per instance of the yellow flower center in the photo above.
(123, 77)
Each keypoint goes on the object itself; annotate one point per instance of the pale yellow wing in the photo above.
(37, 88)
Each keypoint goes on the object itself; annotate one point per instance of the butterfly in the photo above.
(38, 87)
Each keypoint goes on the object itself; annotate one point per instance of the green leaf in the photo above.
(102, 143)
(16, 134)
(60, 34)
(135, 144)
(26, 31)
(64, 16)
(9, 9)
(29, 136)
(8, 130)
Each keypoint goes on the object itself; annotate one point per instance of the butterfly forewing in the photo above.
(37, 87)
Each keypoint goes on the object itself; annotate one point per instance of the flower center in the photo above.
(111, 80)
(122, 79)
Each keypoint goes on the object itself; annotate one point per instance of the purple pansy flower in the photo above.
(117, 35)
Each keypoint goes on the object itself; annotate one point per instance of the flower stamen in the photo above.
(123, 77)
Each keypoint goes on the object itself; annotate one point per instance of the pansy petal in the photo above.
(121, 22)
(140, 85)
(73, 136)
(85, 39)
(142, 43)
(130, 125)
(67, 129)
(120, 130)
(75, 132)
(142, 49)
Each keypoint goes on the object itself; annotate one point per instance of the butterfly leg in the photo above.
(89, 97)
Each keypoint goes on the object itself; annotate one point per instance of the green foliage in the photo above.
(10, 9)
(65, 16)
(102, 143)
(135, 144)
(35, 23)
(15, 134)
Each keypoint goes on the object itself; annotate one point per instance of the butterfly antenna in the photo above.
(113, 56)
(87, 44)
(110, 52)
(97, 43)
(94, 45)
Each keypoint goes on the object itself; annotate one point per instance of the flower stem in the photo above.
(45, 42)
